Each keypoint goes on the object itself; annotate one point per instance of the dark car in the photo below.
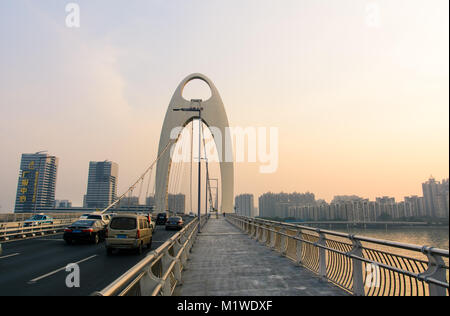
(91, 230)
(174, 222)
(161, 219)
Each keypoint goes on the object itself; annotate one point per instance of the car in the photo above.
(175, 222)
(85, 216)
(161, 219)
(38, 220)
(103, 217)
(92, 230)
(191, 214)
(149, 218)
(128, 231)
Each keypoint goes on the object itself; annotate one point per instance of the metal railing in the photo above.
(20, 217)
(160, 271)
(360, 265)
(14, 230)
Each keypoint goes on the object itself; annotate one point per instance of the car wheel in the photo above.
(139, 249)
(109, 251)
(149, 245)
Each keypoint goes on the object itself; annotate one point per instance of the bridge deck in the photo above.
(225, 261)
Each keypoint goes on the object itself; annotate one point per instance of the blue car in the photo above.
(37, 220)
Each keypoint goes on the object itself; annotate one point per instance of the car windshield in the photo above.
(94, 217)
(175, 219)
(123, 223)
(84, 223)
(37, 217)
(162, 215)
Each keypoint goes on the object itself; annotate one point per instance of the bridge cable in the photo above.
(139, 179)
(208, 187)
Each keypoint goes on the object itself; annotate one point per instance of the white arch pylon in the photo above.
(213, 114)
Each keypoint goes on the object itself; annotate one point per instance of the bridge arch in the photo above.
(213, 114)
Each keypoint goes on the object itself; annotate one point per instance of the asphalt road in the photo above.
(37, 266)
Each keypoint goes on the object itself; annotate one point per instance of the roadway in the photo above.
(36, 267)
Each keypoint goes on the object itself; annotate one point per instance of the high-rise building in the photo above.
(244, 205)
(37, 182)
(63, 204)
(436, 198)
(177, 203)
(277, 205)
(102, 184)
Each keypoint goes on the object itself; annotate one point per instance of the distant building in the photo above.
(177, 203)
(385, 200)
(279, 204)
(150, 201)
(37, 182)
(102, 184)
(63, 204)
(346, 198)
(244, 205)
(128, 201)
(436, 198)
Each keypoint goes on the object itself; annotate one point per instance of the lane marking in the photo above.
(49, 239)
(56, 271)
(11, 255)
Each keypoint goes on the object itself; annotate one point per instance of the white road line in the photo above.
(56, 271)
(11, 255)
(50, 239)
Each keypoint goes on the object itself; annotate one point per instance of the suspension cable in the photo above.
(131, 188)
(207, 171)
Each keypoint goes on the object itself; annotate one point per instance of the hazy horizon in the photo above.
(361, 109)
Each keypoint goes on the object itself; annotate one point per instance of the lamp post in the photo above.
(198, 109)
(217, 191)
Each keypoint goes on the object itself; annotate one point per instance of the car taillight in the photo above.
(90, 230)
(138, 234)
(67, 230)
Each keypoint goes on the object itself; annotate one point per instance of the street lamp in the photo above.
(198, 109)
(217, 192)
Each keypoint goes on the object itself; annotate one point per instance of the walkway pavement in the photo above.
(226, 262)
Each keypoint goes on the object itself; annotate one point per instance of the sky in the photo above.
(362, 107)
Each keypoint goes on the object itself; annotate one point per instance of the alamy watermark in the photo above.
(73, 15)
(73, 278)
(373, 15)
(251, 144)
(373, 276)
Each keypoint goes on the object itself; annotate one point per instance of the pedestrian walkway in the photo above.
(226, 262)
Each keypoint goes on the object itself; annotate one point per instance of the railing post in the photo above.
(283, 241)
(436, 270)
(357, 267)
(322, 255)
(299, 247)
(273, 238)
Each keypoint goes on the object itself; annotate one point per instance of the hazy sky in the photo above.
(360, 109)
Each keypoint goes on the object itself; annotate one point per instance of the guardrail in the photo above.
(20, 217)
(360, 265)
(10, 230)
(159, 273)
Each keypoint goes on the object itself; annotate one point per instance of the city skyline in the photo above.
(103, 181)
(361, 108)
